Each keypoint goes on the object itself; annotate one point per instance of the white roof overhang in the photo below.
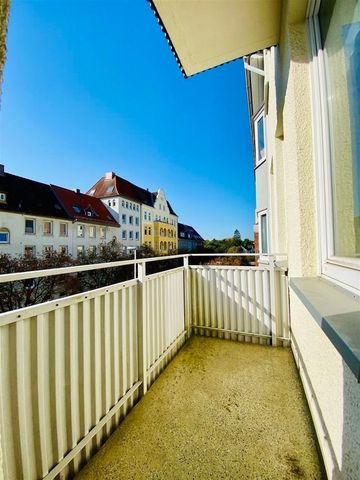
(206, 33)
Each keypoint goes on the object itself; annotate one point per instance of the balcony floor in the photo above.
(220, 410)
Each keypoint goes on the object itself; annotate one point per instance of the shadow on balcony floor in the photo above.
(221, 410)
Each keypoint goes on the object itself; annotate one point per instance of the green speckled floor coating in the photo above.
(220, 410)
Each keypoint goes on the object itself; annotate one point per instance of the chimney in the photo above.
(109, 175)
(2, 170)
(78, 191)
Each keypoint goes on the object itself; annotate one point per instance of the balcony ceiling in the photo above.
(205, 34)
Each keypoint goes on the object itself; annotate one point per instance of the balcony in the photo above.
(229, 405)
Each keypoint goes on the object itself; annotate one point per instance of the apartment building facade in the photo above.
(37, 219)
(303, 62)
(189, 239)
(146, 218)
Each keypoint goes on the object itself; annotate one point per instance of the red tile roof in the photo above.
(85, 208)
(112, 185)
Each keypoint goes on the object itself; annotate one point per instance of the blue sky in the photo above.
(91, 86)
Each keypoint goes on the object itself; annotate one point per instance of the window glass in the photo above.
(80, 230)
(136, 235)
(102, 231)
(29, 251)
(263, 233)
(47, 228)
(131, 235)
(29, 226)
(123, 218)
(4, 235)
(63, 229)
(340, 35)
(92, 231)
(260, 139)
(124, 234)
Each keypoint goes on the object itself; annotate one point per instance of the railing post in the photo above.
(187, 296)
(274, 302)
(142, 327)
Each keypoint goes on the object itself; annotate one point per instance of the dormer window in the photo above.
(110, 189)
(76, 209)
(92, 191)
(2, 197)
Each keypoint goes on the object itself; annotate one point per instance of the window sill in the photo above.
(337, 312)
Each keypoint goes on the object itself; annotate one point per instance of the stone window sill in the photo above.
(337, 311)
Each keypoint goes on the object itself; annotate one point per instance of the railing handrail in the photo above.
(49, 272)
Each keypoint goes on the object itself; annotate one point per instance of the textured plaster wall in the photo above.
(299, 169)
(336, 389)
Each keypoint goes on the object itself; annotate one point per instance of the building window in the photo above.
(145, 231)
(110, 189)
(123, 235)
(80, 249)
(263, 230)
(29, 251)
(335, 50)
(92, 250)
(137, 208)
(47, 228)
(47, 250)
(122, 203)
(92, 231)
(29, 226)
(127, 204)
(63, 229)
(149, 216)
(259, 128)
(102, 232)
(145, 215)
(131, 235)
(81, 231)
(2, 197)
(131, 220)
(149, 230)
(4, 235)
(123, 218)
(63, 249)
(137, 221)
(109, 203)
(136, 235)
(114, 203)
(92, 191)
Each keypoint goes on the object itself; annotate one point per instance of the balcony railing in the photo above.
(72, 368)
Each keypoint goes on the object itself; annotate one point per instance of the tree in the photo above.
(236, 238)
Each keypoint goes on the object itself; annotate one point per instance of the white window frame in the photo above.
(263, 213)
(260, 115)
(124, 235)
(80, 250)
(34, 226)
(6, 232)
(341, 270)
(33, 250)
(92, 229)
(51, 228)
(66, 230)
(131, 235)
(102, 232)
(63, 249)
(80, 230)
(123, 218)
(2, 197)
(47, 249)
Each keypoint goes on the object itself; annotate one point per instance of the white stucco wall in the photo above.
(336, 390)
(294, 230)
(118, 208)
(19, 239)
